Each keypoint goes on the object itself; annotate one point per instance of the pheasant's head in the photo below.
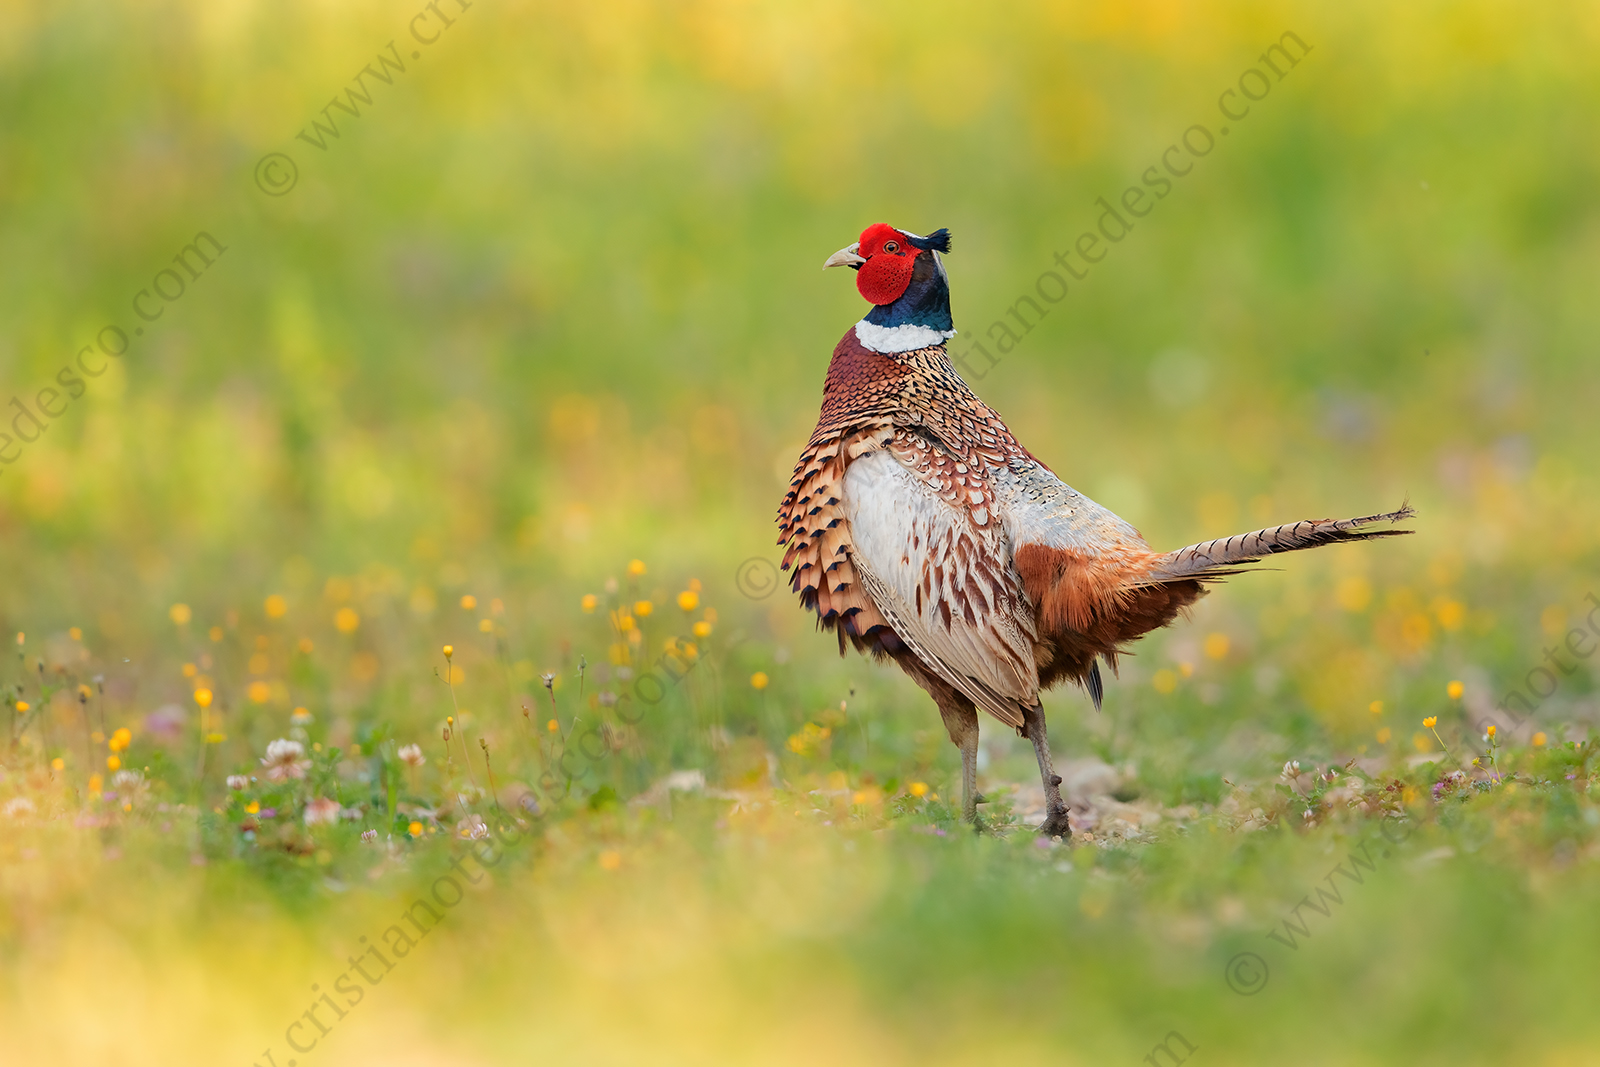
(886, 259)
(903, 276)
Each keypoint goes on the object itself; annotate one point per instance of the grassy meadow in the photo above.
(510, 349)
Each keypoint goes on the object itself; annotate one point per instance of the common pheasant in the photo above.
(920, 530)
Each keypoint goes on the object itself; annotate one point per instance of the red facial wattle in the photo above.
(883, 278)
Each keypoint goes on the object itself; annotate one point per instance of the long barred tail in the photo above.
(1225, 556)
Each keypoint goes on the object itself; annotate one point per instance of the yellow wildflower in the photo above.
(1539, 739)
(688, 600)
(346, 621)
(112, 763)
(758, 680)
(276, 607)
(643, 608)
(589, 603)
(918, 789)
(415, 829)
(23, 705)
(469, 602)
(1455, 689)
(202, 697)
(702, 629)
(1431, 721)
(636, 567)
(180, 614)
(75, 633)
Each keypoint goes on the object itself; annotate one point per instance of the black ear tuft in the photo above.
(937, 241)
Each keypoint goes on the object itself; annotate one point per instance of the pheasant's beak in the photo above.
(845, 257)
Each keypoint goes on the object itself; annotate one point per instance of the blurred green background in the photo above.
(553, 303)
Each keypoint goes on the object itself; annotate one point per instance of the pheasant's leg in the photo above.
(1055, 818)
(960, 717)
(969, 774)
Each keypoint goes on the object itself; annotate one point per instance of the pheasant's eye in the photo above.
(891, 246)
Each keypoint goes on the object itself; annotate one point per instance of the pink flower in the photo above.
(285, 759)
(322, 810)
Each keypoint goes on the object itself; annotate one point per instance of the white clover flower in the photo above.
(285, 759)
(17, 807)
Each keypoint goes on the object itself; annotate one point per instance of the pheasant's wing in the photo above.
(815, 532)
(1040, 509)
(944, 582)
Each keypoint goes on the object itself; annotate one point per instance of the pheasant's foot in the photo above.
(1055, 824)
